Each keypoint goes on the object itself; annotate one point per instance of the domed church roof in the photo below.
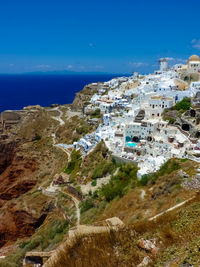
(194, 58)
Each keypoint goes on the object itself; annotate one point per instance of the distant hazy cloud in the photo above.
(11, 65)
(196, 43)
(70, 67)
(181, 60)
(138, 64)
(91, 44)
(176, 60)
(170, 58)
(81, 67)
(99, 67)
(42, 66)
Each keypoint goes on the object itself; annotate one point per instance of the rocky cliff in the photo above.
(83, 97)
(27, 159)
(7, 151)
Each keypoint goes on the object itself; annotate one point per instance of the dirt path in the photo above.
(70, 114)
(86, 188)
(64, 149)
(78, 212)
(170, 209)
(58, 118)
(143, 193)
(52, 191)
(76, 204)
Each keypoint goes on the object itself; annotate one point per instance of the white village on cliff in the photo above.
(132, 107)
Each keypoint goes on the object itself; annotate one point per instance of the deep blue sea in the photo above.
(17, 91)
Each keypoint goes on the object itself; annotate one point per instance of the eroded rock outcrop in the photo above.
(18, 224)
(15, 178)
(148, 245)
(7, 151)
(84, 96)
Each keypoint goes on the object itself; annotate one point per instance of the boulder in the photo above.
(114, 222)
(148, 245)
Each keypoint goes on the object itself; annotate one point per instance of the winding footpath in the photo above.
(76, 204)
(142, 194)
(170, 209)
(59, 117)
(52, 189)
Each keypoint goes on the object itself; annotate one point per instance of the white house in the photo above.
(194, 64)
(157, 104)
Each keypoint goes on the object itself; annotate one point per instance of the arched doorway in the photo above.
(185, 127)
(149, 138)
(192, 113)
(128, 139)
(135, 139)
(197, 135)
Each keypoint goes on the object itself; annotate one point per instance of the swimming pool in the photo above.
(131, 144)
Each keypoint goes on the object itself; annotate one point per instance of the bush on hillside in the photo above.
(183, 105)
(167, 168)
(74, 163)
(94, 183)
(119, 184)
(180, 108)
(86, 205)
(102, 169)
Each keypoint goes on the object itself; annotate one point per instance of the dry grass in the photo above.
(165, 193)
(105, 249)
(73, 130)
(120, 248)
(177, 233)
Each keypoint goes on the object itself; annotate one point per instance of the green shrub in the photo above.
(167, 168)
(34, 243)
(102, 169)
(94, 183)
(61, 227)
(183, 105)
(86, 205)
(171, 120)
(119, 184)
(82, 130)
(183, 160)
(144, 180)
(74, 163)
(23, 244)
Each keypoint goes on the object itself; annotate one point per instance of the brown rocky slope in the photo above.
(27, 159)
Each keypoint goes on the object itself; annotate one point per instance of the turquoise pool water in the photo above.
(131, 144)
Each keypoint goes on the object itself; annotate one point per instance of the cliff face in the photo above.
(14, 179)
(84, 96)
(6, 154)
(14, 171)
(27, 159)
(18, 224)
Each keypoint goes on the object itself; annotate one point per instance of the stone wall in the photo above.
(10, 116)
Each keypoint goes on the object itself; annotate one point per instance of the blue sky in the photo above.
(93, 35)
